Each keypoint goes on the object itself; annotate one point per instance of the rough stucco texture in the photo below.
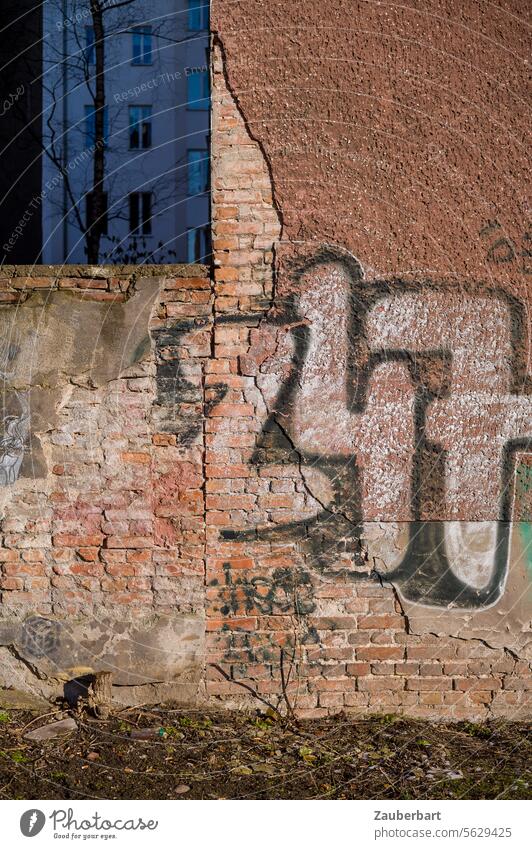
(395, 131)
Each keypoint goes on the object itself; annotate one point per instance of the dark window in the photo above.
(198, 244)
(139, 127)
(141, 46)
(140, 204)
(197, 171)
(99, 222)
(198, 15)
(90, 50)
(198, 93)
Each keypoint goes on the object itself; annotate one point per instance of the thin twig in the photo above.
(37, 718)
(245, 687)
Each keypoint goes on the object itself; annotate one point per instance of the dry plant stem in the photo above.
(285, 680)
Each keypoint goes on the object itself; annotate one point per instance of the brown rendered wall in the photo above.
(311, 473)
(396, 131)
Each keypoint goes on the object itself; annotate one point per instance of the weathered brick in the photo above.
(372, 685)
(431, 684)
(380, 653)
(75, 541)
(381, 622)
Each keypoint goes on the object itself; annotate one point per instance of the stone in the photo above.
(54, 729)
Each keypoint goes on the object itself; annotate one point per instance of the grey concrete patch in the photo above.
(155, 650)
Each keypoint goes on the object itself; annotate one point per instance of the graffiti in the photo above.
(413, 400)
(16, 428)
(503, 249)
(13, 442)
(39, 637)
(179, 401)
(284, 591)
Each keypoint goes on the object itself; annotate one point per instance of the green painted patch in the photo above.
(523, 491)
(526, 537)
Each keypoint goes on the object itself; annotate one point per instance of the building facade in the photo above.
(156, 131)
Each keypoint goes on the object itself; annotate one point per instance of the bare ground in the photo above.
(214, 755)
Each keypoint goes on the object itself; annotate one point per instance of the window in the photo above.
(198, 244)
(197, 171)
(99, 222)
(90, 126)
(198, 93)
(140, 204)
(141, 46)
(139, 127)
(198, 15)
(90, 49)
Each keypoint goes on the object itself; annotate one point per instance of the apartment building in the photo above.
(156, 131)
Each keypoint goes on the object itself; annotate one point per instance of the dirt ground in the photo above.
(197, 755)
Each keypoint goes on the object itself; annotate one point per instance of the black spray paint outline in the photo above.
(424, 575)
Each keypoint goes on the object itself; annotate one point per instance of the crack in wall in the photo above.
(218, 46)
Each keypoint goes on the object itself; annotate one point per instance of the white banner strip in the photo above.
(263, 824)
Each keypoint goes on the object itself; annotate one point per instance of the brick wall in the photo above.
(102, 546)
(305, 481)
(359, 483)
(158, 490)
